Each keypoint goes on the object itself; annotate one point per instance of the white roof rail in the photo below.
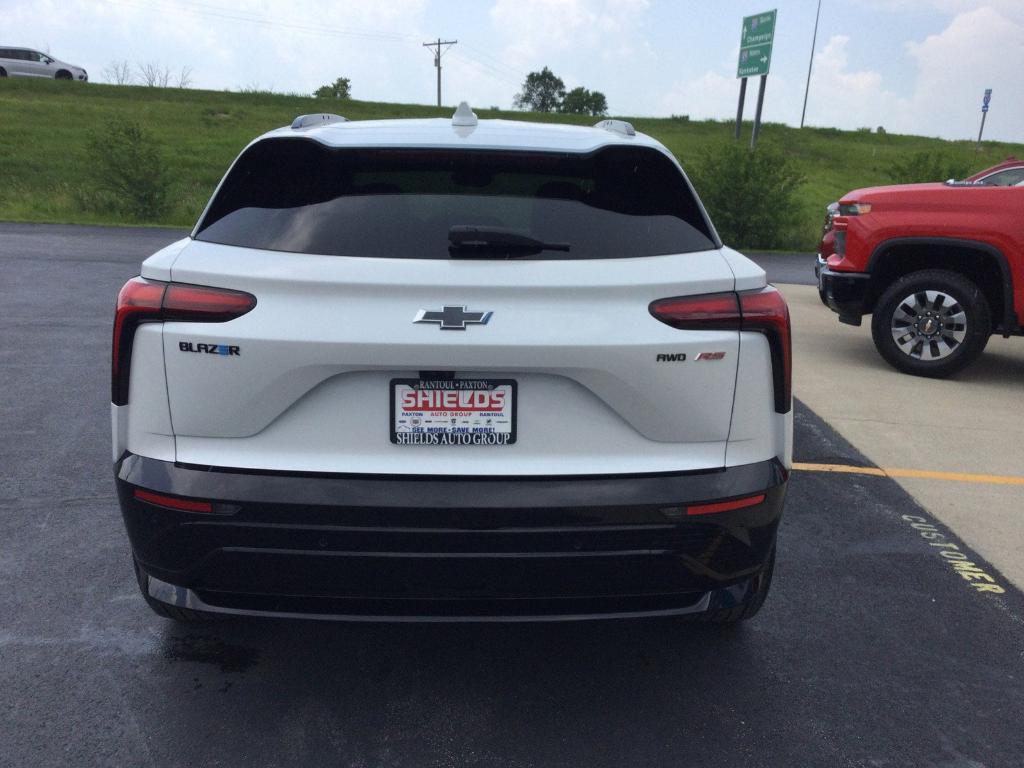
(464, 116)
(324, 118)
(617, 126)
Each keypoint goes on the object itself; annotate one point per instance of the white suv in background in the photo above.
(26, 62)
(452, 370)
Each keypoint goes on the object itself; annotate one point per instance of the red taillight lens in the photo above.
(713, 311)
(152, 301)
(138, 302)
(198, 303)
(763, 311)
(725, 506)
(171, 502)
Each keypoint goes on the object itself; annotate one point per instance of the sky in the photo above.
(912, 66)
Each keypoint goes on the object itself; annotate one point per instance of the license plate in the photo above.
(453, 411)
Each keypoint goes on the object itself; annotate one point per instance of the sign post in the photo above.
(739, 108)
(756, 39)
(984, 111)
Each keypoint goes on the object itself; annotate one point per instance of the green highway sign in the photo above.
(756, 44)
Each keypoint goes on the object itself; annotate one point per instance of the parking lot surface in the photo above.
(970, 424)
(875, 648)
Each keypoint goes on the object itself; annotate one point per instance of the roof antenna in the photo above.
(464, 116)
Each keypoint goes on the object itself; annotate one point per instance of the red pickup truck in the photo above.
(940, 267)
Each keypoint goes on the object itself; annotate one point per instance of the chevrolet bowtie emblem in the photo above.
(452, 318)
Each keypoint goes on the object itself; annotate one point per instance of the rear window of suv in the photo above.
(300, 196)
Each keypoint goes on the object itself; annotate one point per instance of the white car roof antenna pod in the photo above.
(312, 121)
(464, 116)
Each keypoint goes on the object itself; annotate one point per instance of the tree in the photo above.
(598, 104)
(339, 89)
(155, 75)
(119, 72)
(580, 101)
(185, 78)
(542, 92)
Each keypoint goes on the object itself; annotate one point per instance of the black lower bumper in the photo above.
(843, 292)
(400, 547)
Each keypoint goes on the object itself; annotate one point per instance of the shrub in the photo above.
(128, 169)
(928, 166)
(751, 196)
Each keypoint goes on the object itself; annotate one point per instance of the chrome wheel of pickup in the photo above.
(929, 325)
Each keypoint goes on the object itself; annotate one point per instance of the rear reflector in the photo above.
(725, 506)
(152, 301)
(762, 311)
(185, 505)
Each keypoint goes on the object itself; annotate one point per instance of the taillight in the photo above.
(152, 301)
(713, 311)
(762, 311)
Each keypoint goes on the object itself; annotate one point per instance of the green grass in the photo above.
(45, 129)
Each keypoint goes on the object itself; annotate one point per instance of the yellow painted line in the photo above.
(959, 477)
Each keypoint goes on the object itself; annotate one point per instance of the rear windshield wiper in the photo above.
(468, 240)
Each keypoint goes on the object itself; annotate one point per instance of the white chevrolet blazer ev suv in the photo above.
(452, 370)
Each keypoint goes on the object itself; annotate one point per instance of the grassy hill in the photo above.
(45, 129)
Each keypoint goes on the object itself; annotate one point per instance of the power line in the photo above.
(495, 63)
(437, 60)
(487, 70)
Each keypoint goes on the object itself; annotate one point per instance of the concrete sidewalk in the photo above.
(972, 423)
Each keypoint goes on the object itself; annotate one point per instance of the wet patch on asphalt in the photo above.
(208, 649)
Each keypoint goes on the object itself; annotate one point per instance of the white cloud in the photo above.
(849, 98)
(536, 30)
(982, 48)
(292, 45)
(712, 95)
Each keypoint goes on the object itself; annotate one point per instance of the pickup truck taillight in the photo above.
(153, 301)
(763, 311)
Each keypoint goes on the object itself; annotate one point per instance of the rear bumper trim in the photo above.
(182, 597)
(443, 549)
(446, 493)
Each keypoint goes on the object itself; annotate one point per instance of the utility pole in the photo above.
(814, 42)
(437, 60)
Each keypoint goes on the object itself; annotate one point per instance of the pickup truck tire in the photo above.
(931, 323)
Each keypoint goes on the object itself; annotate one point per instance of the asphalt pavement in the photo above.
(874, 648)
